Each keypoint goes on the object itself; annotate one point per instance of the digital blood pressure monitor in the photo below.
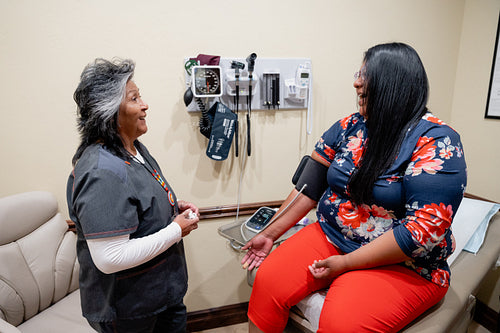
(260, 219)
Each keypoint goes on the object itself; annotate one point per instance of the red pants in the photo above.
(381, 299)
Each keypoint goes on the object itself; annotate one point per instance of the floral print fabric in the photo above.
(416, 197)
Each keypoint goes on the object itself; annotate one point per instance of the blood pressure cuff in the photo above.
(313, 174)
(221, 136)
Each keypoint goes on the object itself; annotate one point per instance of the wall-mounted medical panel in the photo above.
(272, 83)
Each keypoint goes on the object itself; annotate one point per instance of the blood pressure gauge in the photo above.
(207, 81)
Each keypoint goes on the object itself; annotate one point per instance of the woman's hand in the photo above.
(328, 268)
(184, 205)
(384, 250)
(188, 221)
(258, 249)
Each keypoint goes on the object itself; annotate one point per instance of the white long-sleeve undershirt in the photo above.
(114, 254)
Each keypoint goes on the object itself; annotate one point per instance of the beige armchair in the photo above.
(38, 267)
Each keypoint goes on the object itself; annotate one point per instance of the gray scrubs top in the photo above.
(109, 196)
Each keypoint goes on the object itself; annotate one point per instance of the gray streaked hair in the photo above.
(98, 98)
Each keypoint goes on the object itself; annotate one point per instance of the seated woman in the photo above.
(395, 177)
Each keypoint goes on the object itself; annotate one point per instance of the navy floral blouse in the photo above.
(416, 197)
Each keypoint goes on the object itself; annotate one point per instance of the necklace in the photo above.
(156, 175)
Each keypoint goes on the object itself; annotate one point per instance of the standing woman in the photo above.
(133, 274)
(387, 181)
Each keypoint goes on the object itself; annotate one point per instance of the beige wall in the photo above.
(480, 136)
(45, 45)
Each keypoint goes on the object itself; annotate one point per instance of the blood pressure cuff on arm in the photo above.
(312, 174)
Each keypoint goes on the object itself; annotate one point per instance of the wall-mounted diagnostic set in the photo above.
(275, 83)
(243, 84)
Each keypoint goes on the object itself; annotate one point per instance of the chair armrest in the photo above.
(5, 327)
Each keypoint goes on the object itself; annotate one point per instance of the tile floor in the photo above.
(243, 328)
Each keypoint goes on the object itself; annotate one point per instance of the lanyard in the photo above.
(156, 175)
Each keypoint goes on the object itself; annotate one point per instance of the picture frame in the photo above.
(493, 101)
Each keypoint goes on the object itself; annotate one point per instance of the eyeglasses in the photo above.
(360, 74)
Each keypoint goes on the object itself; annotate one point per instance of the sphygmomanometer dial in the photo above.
(207, 81)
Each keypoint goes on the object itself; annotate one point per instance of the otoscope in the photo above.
(251, 64)
(236, 65)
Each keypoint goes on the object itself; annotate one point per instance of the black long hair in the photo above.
(98, 98)
(397, 92)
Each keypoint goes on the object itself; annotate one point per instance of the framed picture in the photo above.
(493, 103)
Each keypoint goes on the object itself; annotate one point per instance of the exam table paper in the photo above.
(470, 224)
